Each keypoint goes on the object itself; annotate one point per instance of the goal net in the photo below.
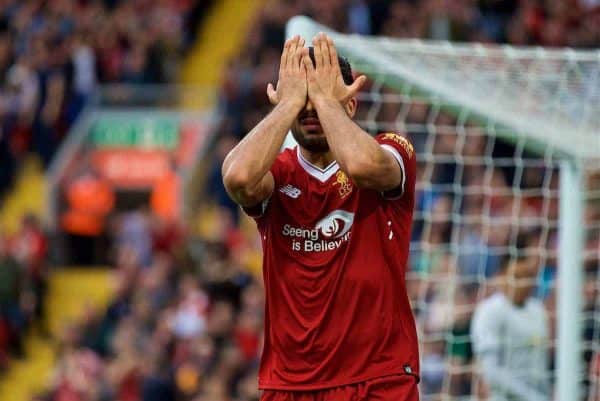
(492, 128)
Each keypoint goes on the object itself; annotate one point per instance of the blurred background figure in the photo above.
(12, 316)
(510, 334)
(89, 200)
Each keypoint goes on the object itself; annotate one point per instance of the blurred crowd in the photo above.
(185, 323)
(54, 53)
(177, 328)
(23, 275)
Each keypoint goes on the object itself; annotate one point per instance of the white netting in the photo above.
(591, 290)
(551, 96)
(489, 126)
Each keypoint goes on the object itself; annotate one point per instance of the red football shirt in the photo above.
(337, 311)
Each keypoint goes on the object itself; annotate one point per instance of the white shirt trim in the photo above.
(317, 172)
(398, 157)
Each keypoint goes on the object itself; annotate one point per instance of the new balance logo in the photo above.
(290, 191)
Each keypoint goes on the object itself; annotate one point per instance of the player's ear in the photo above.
(351, 106)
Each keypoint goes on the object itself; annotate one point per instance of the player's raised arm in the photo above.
(358, 154)
(246, 168)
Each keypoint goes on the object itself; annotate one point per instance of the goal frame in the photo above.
(571, 205)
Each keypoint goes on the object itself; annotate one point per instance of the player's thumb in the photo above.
(357, 85)
(272, 94)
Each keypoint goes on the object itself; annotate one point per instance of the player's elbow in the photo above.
(235, 180)
(365, 172)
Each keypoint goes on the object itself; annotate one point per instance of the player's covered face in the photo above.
(522, 277)
(307, 130)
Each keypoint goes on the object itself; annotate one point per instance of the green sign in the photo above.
(136, 132)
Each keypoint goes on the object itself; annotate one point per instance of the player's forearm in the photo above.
(252, 158)
(357, 153)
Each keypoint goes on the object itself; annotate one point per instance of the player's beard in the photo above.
(314, 140)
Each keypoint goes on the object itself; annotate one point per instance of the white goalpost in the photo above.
(508, 143)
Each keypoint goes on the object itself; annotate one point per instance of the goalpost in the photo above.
(508, 141)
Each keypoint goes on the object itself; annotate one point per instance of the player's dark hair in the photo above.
(520, 251)
(345, 67)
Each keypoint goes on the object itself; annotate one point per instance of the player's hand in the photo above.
(291, 85)
(325, 81)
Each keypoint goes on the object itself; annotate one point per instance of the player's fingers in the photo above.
(284, 54)
(272, 94)
(333, 57)
(308, 65)
(292, 51)
(317, 52)
(325, 50)
(356, 85)
(298, 54)
(301, 50)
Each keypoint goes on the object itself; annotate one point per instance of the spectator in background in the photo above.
(189, 317)
(8, 164)
(359, 17)
(22, 95)
(134, 233)
(51, 77)
(459, 345)
(591, 357)
(89, 201)
(510, 335)
(12, 317)
(158, 382)
(215, 191)
(495, 16)
(83, 60)
(165, 200)
(30, 247)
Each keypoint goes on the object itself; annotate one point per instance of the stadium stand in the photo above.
(53, 56)
(178, 329)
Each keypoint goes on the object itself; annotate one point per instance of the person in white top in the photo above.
(509, 333)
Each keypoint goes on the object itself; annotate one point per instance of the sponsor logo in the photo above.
(329, 233)
(345, 186)
(336, 224)
(402, 141)
(290, 191)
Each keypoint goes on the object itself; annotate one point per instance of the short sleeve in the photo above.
(404, 153)
(257, 211)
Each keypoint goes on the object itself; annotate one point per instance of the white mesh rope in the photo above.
(489, 126)
(476, 194)
(551, 97)
(591, 290)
